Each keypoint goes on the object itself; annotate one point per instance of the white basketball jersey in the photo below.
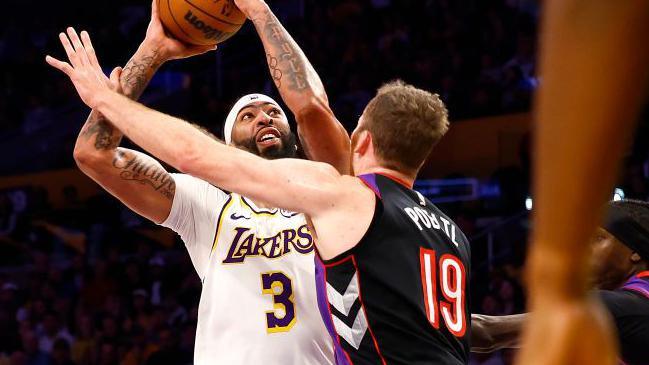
(258, 304)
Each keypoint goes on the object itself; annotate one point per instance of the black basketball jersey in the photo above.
(629, 307)
(401, 295)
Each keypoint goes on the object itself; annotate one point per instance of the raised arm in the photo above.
(136, 179)
(188, 149)
(316, 189)
(321, 134)
(340, 206)
(306, 187)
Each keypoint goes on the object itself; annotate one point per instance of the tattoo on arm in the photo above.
(135, 76)
(285, 59)
(146, 172)
(106, 138)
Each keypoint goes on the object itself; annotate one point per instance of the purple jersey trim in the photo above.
(370, 181)
(637, 285)
(323, 306)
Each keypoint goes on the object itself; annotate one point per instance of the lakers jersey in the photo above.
(258, 303)
(401, 295)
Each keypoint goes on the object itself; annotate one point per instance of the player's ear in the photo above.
(364, 142)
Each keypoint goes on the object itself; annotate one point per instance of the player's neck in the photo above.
(404, 178)
(641, 268)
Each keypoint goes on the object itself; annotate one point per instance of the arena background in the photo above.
(85, 281)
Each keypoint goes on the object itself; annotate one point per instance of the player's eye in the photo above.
(598, 237)
(274, 112)
(247, 116)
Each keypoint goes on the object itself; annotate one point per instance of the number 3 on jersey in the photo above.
(282, 318)
(453, 280)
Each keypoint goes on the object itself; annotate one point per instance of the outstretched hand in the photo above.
(83, 69)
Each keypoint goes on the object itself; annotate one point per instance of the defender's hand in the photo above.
(250, 7)
(83, 70)
(169, 47)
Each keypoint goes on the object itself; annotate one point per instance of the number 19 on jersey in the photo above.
(452, 277)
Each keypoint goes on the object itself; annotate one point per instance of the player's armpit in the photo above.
(136, 179)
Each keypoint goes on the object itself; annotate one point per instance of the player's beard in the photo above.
(286, 149)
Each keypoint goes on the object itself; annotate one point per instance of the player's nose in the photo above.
(264, 119)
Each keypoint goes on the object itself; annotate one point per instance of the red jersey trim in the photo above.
(396, 179)
(643, 274)
(360, 298)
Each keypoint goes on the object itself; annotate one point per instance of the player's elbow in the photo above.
(313, 108)
(87, 159)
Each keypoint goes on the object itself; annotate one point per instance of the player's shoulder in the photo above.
(354, 188)
(332, 180)
(189, 181)
(328, 172)
(621, 303)
(199, 193)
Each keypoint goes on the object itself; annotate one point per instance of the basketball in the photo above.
(201, 22)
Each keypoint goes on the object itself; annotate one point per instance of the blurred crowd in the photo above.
(81, 284)
(478, 55)
(89, 282)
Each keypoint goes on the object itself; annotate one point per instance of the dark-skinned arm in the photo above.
(135, 178)
(492, 333)
(594, 66)
(321, 134)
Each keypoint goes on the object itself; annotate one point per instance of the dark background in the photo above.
(85, 281)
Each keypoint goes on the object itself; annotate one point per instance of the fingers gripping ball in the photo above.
(201, 22)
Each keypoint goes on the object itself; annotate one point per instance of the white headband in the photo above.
(240, 104)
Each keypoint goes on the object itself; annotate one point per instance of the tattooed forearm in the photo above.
(135, 76)
(106, 137)
(146, 172)
(138, 72)
(275, 72)
(285, 59)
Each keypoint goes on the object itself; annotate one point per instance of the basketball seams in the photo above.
(197, 26)
(212, 16)
(171, 14)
